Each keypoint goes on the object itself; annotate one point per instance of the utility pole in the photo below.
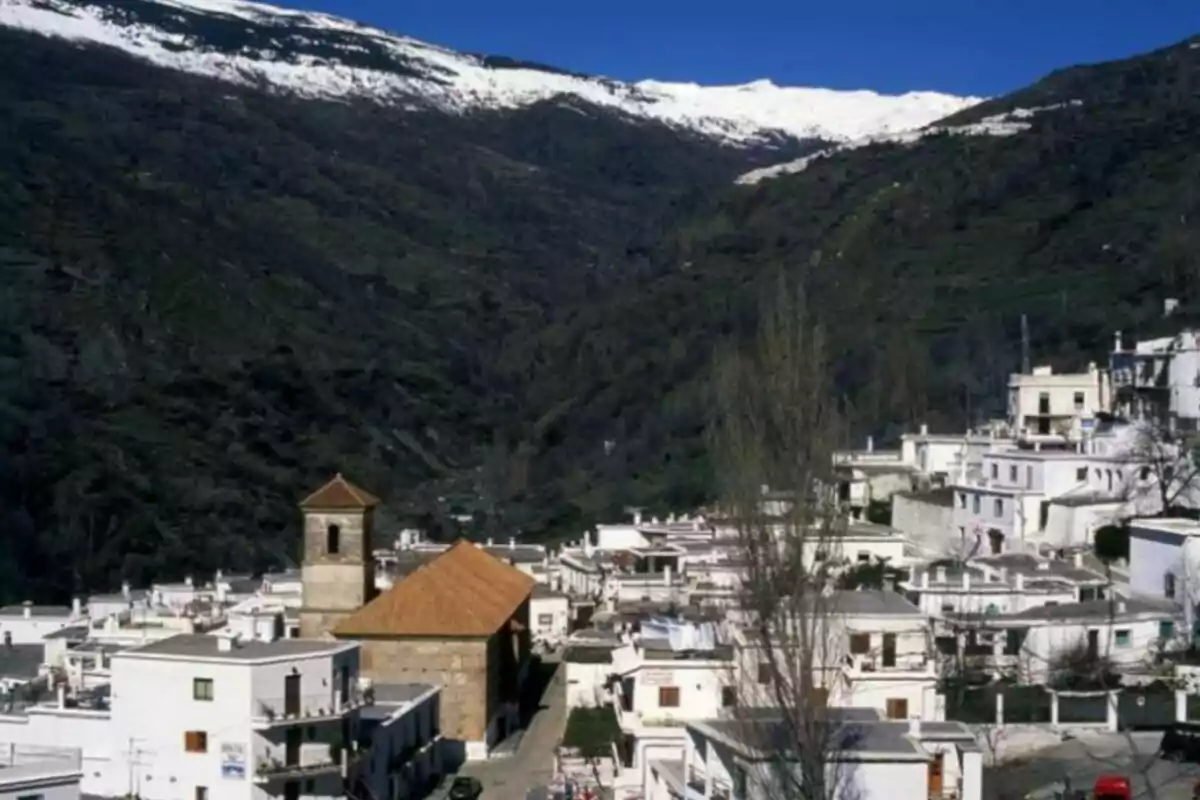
(1025, 368)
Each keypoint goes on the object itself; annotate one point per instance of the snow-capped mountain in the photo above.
(321, 56)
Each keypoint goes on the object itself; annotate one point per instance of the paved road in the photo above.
(512, 777)
(1084, 761)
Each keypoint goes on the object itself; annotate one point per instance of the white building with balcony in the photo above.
(869, 759)
(1159, 379)
(45, 773)
(1043, 403)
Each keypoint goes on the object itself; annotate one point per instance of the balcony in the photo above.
(865, 666)
(308, 709)
(308, 762)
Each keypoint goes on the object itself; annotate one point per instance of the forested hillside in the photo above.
(213, 297)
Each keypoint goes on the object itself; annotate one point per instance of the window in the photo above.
(728, 696)
(1145, 473)
(947, 608)
(333, 539)
(1169, 586)
(738, 779)
(201, 793)
(860, 643)
(545, 620)
(668, 697)
(1028, 477)
(818, 556)
(1012, 473)
(195, 741)
(1081, 474)
(897, 708)
(1121, 638)
(31, 797)
(863, 556)
(202, 689)
(962, 499)
(764, 673)
(1166, 629)
(975, 503)
(995, 470)
(1078, 401)
(997, 507)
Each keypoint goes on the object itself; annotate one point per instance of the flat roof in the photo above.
(1180, 525)
(35, 611)
(206, 646)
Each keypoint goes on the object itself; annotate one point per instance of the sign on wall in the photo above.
(657, 678)
(233, 760)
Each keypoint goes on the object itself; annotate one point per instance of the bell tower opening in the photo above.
(338, 573)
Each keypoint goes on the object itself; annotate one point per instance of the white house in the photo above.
(248, 719)
(30, 624)
(44, 773)
(868, 759)
(1042, 403)
(1159, 379)
(1164, 562)
(549, 615)
(405, 757)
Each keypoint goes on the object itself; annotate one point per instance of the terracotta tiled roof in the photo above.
(340, 493)
(463, 592)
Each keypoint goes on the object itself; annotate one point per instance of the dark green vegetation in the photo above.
(212, 298)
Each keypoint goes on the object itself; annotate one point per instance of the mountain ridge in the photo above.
(322, 56)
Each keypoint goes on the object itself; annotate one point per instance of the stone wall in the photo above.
(335, 584)
(459, 666)
(318, 624)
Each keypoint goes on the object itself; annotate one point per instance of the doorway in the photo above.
(291, 695)
(291, 746)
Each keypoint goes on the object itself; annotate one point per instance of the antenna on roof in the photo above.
(1025, 368)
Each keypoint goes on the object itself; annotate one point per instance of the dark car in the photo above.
(1181, 742)
(465, 789)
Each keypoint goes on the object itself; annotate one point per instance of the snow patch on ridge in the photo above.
(1007, 124)
(405, 69)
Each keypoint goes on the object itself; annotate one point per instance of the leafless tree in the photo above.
(776, 424)
(1163, 466)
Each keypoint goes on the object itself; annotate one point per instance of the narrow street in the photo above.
(511, 777)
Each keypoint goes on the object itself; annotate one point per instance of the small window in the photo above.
(995, 471)
(1012, 473)
(997, 507)
(863, 556)
(333, 540)
(860, 643)
(195, 741)
(764, 673)
(728, 696)
(897, 708)
(201, 793)
(1166, 629)
(818, 556)
(975, 503)
(962, 499)
(668, 697)
(947, 608)
(1122, 638)
(202, 689)
(1169, 585)
(1081, 474)
(545, 620)
(1145, 473)
(1078, 401)
(31, 797)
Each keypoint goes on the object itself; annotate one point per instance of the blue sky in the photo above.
(960, 46)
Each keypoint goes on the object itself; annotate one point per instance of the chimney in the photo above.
(512, 542)
(941, 574)
(220, 576)
(924, 429)
(76, 607)
(227, 643)
(188, 581)
(870, 444)
(1004, 574)
(62, 695)
(925, 579)
(765, 488)
(914, 727)
(1020, 582)
(490, 541)
(667, 575)
(27, 608)
(966, 581)
(1117, 342)
(637, 516)
(125, 589)
(1079, 558)
(1121, 607)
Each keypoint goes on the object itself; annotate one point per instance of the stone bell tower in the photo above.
(338, 573)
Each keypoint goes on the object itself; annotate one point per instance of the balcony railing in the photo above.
(309, 708)
(306, 763)
(865, 664)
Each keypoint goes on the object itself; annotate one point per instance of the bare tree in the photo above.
(776, 424)
(1164, 467)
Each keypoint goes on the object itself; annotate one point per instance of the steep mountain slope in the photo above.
(320, 56)
(213, 296)
(920, 256)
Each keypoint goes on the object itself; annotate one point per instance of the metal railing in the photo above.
(311, 706)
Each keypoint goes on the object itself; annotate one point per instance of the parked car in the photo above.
(465, 789)
(1181, 742)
